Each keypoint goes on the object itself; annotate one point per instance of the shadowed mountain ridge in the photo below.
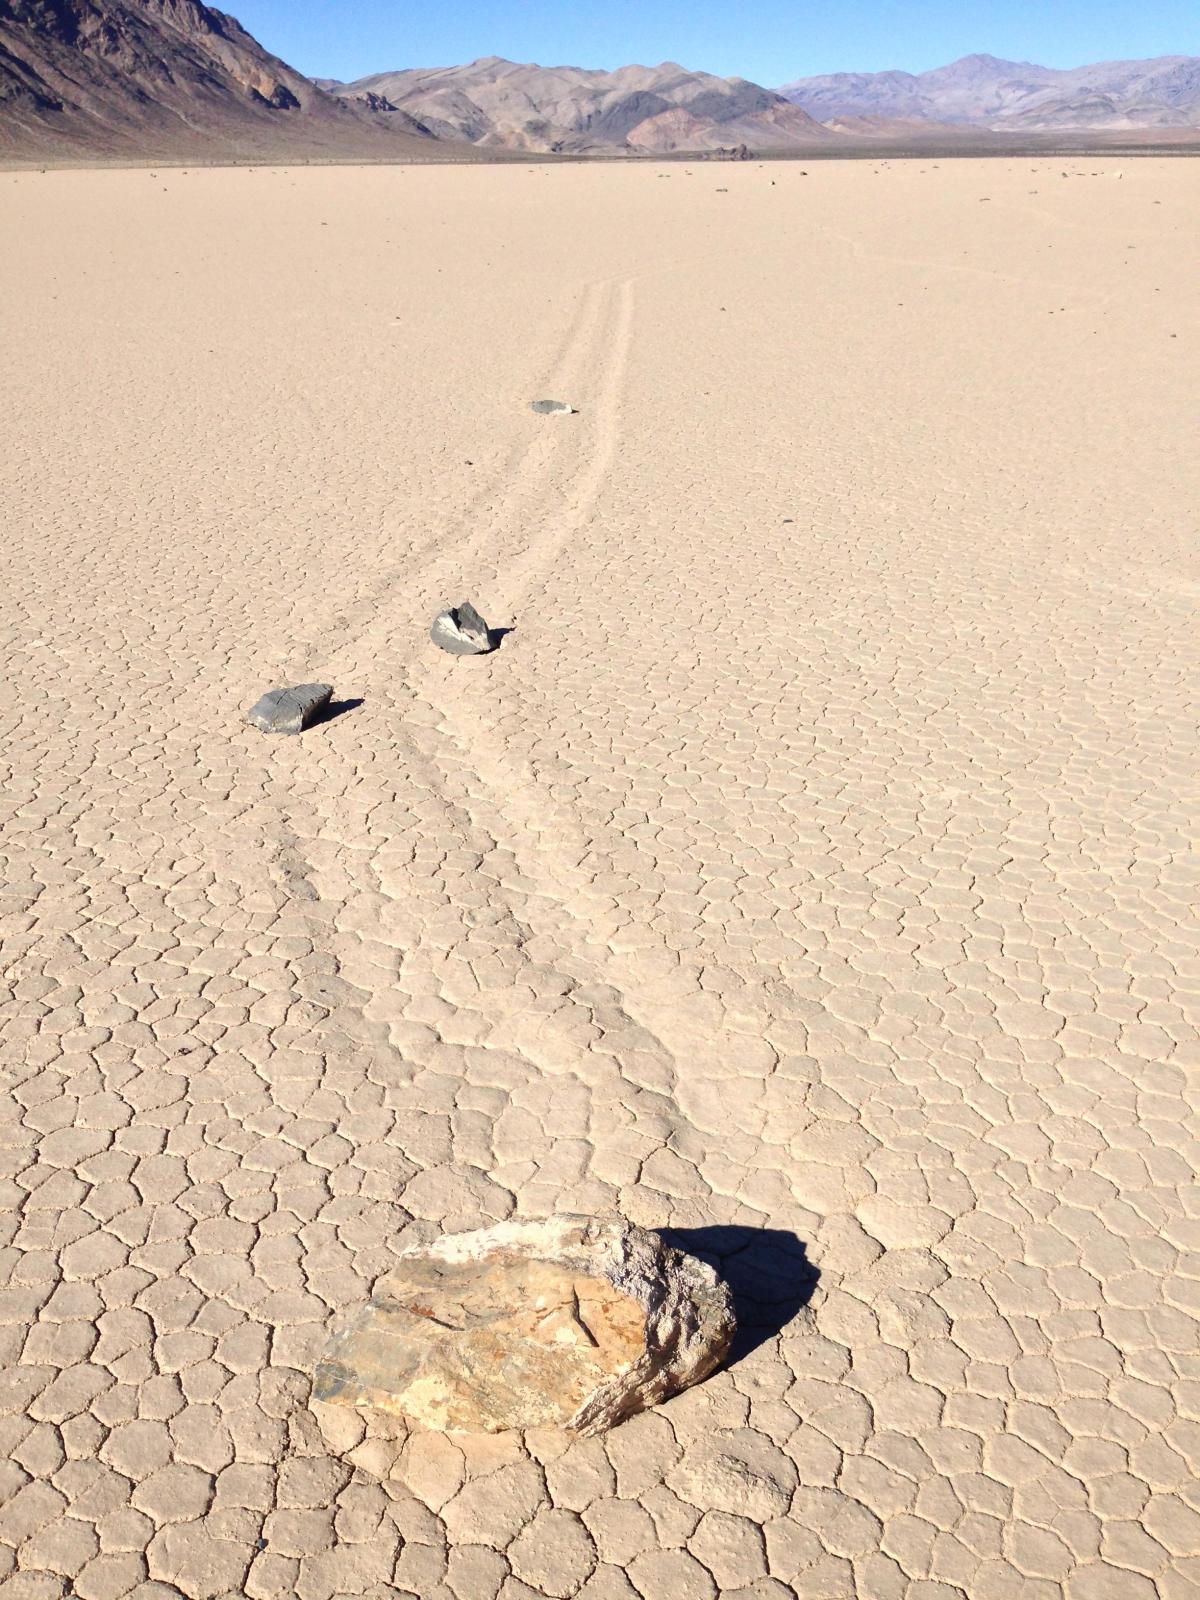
(156, 78)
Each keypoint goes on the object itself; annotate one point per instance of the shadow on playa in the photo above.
(767, 1270)
(335, 708)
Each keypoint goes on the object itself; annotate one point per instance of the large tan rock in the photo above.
(570, 1321)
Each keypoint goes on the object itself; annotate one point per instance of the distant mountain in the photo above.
(497, 104)
(158, 79)
(155, 78)
(981, 91)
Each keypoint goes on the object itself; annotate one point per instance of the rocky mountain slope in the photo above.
(1007, 96)
(163, 77)
(501, 104)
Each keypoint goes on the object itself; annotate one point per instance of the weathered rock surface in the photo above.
(461, 631)
(571, 1321)
(552, 408)
(289, 710)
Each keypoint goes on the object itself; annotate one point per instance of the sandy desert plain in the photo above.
(807, 872)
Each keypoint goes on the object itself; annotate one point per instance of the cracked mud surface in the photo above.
(807, 873)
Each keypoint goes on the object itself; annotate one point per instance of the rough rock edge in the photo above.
(690, 1321)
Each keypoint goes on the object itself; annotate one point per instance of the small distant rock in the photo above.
(461, 631)
(289, 710)
(552, 408)
(571, 1322)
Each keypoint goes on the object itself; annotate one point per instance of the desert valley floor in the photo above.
(806, 873)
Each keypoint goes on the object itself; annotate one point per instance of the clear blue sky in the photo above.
(768, 41)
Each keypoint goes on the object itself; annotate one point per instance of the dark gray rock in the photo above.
(461, 631)
(552, 408)
(289, 710)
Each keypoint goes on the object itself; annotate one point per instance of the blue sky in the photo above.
(768, 41)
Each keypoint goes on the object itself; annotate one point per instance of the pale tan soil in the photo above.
(811, 858)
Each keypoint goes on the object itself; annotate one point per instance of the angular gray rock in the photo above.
(575, 1322)
(461, 631)
(552, 408)
(289, 710)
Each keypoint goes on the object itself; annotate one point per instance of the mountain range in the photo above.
(498, 104)
(157, 79)
(981, 91)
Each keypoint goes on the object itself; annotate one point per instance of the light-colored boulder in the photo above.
(570, 1321)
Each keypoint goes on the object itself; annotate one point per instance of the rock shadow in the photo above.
(497, 635)
(335, 708)
(767, 1270)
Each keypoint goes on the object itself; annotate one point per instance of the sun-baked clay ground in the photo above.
(807, 872)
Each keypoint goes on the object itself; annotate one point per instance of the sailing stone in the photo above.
(289, 710)
(572, 1321)
(461, 631)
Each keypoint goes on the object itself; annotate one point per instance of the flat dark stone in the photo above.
(289, 710)
(461, 631)
(556, 408)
